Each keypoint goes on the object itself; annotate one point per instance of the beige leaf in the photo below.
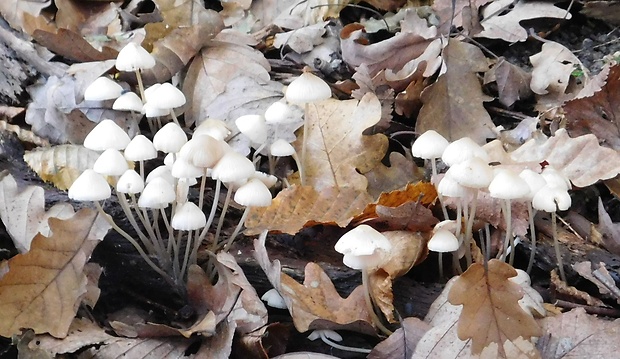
(82, 333)
(402, 343)
(610, 231)
(13, 10)
(553, 66)
(453, 106)
(507, 26)
(599, 277)
(23, 212)
(43, 287)
(337, 152)
(297, 206)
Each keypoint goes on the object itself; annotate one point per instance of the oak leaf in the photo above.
(453, 106)
(315, 304)
(491, 311)
(337, 153)
(23, 213)
(553, 67)
(444, 10)
(43, 288)
(14, 11)
(402, 343)
(298, 206)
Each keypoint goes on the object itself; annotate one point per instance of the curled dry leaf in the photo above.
(337, 153)
(553, 66)
(23, 213)
(453, 106)
(44, 287)
(298, 206)
(575, 295)
(400, 173)
(491, 311)
(579, 335)
(315, 304)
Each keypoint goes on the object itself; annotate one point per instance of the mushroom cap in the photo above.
(111, 163)
(160, 171)
(327, 333)
(233, 167)
(107, 134)
(128, 101)
(158, 193)
(555, 178)
(103, 88)
(307, 88)
(90, 186)
(274, 299)
(140, 148)
(471, 173)
(551, 198)
(508, 185)
(183, 169)
(134, 57)
(279, 113)
(188, 217)
(170, 138)
(150, 110)
(461, 150)
(535, 181)
(254, 127)
(267, 179)
(281, 148)
(167, 96)
(253, 193)
(130, 182)
(449, 187)
(443, 241)
(203, 151)
(429, 145)
(214, 128)
(363, 248)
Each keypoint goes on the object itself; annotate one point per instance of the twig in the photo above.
(609, 312)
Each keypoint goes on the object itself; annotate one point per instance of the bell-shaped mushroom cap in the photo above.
(273, 299)
(158, 193)
(267, 179)
(472, 173)
(551, 198)
(107, 134)
(508, 185)
(160, 171)
(150, 91)
(203, 151)
(363, 248)
(103, 88)
(170, 138)
(150, 110)
(253, 194)
(461, 150)
(134, 57)
(307, 88)
(128, 101)
(449, 187)
(279, 113)
(140, 149)
(232, 167)
(130, 182)
(183, 169)
(281, 148)
(429, 145)
(188, 217)
(90, 186)
(253, 127)
(443, 241)
(167, 97)
(325, 333)
(214, 128)
(535, 181)
(556, 178)
(111, 163)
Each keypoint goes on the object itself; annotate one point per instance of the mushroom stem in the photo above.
(440, 261)
(469, 228)
(174, 117)
(556, 246)
(220, 223)
(304, 142)
(439, 196)
(132, 220)
(186, 257)
(216, 196)
(244, 216)
(140, 85)
(370, 305)
(331, 343)
(531, 213)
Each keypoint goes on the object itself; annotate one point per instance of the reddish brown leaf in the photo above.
(422, 192)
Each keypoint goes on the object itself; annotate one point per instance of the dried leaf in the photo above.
(553, 66)
(453, 105)
(422, 192)
(610, 231)
(573, 293)
(23, 212)
(506, 26)
(578, 335)
(62, 164)
(82, 333)
(13, 11)
(337, 152)
(23, 134)
(315, 304)
(491, 311)
(43, 287)
(585, 270)
(386, 179)
(298, 206)
(72, 45)
(443, 9)
(173, 348)
(402, 343)
(513, 83)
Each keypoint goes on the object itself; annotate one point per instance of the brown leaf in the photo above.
(400, 173)
(43, 287)
(92, 18)
(443, 9)
(82, 333)
(603, 280)
(578, 335)
(491, 311)
(422, 192)
(610, 231)
(402, 343)
(453, 105)
(513, 83)
(299, 206)
(598, 114)
(337, 153)
(72, 45)
(315, 304)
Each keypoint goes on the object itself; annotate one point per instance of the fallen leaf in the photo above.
(172, 348)
(82, 333)
(337, 153)
(572, 293)
(453, 106)
(13, 11)
(585, 270)
(72, 45)
(88, 19)
(422, 192)
(513, 83)
(23, 134)
(402, 343)
(399, 174)
(507, 26)
(23, 213)
(443, 9)
(578, 335)
(315, 304)
(553, 67)
(299, 206)
(610, 231)
(380, 87)
(43, 287)
(491, 311)
(301, 40)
